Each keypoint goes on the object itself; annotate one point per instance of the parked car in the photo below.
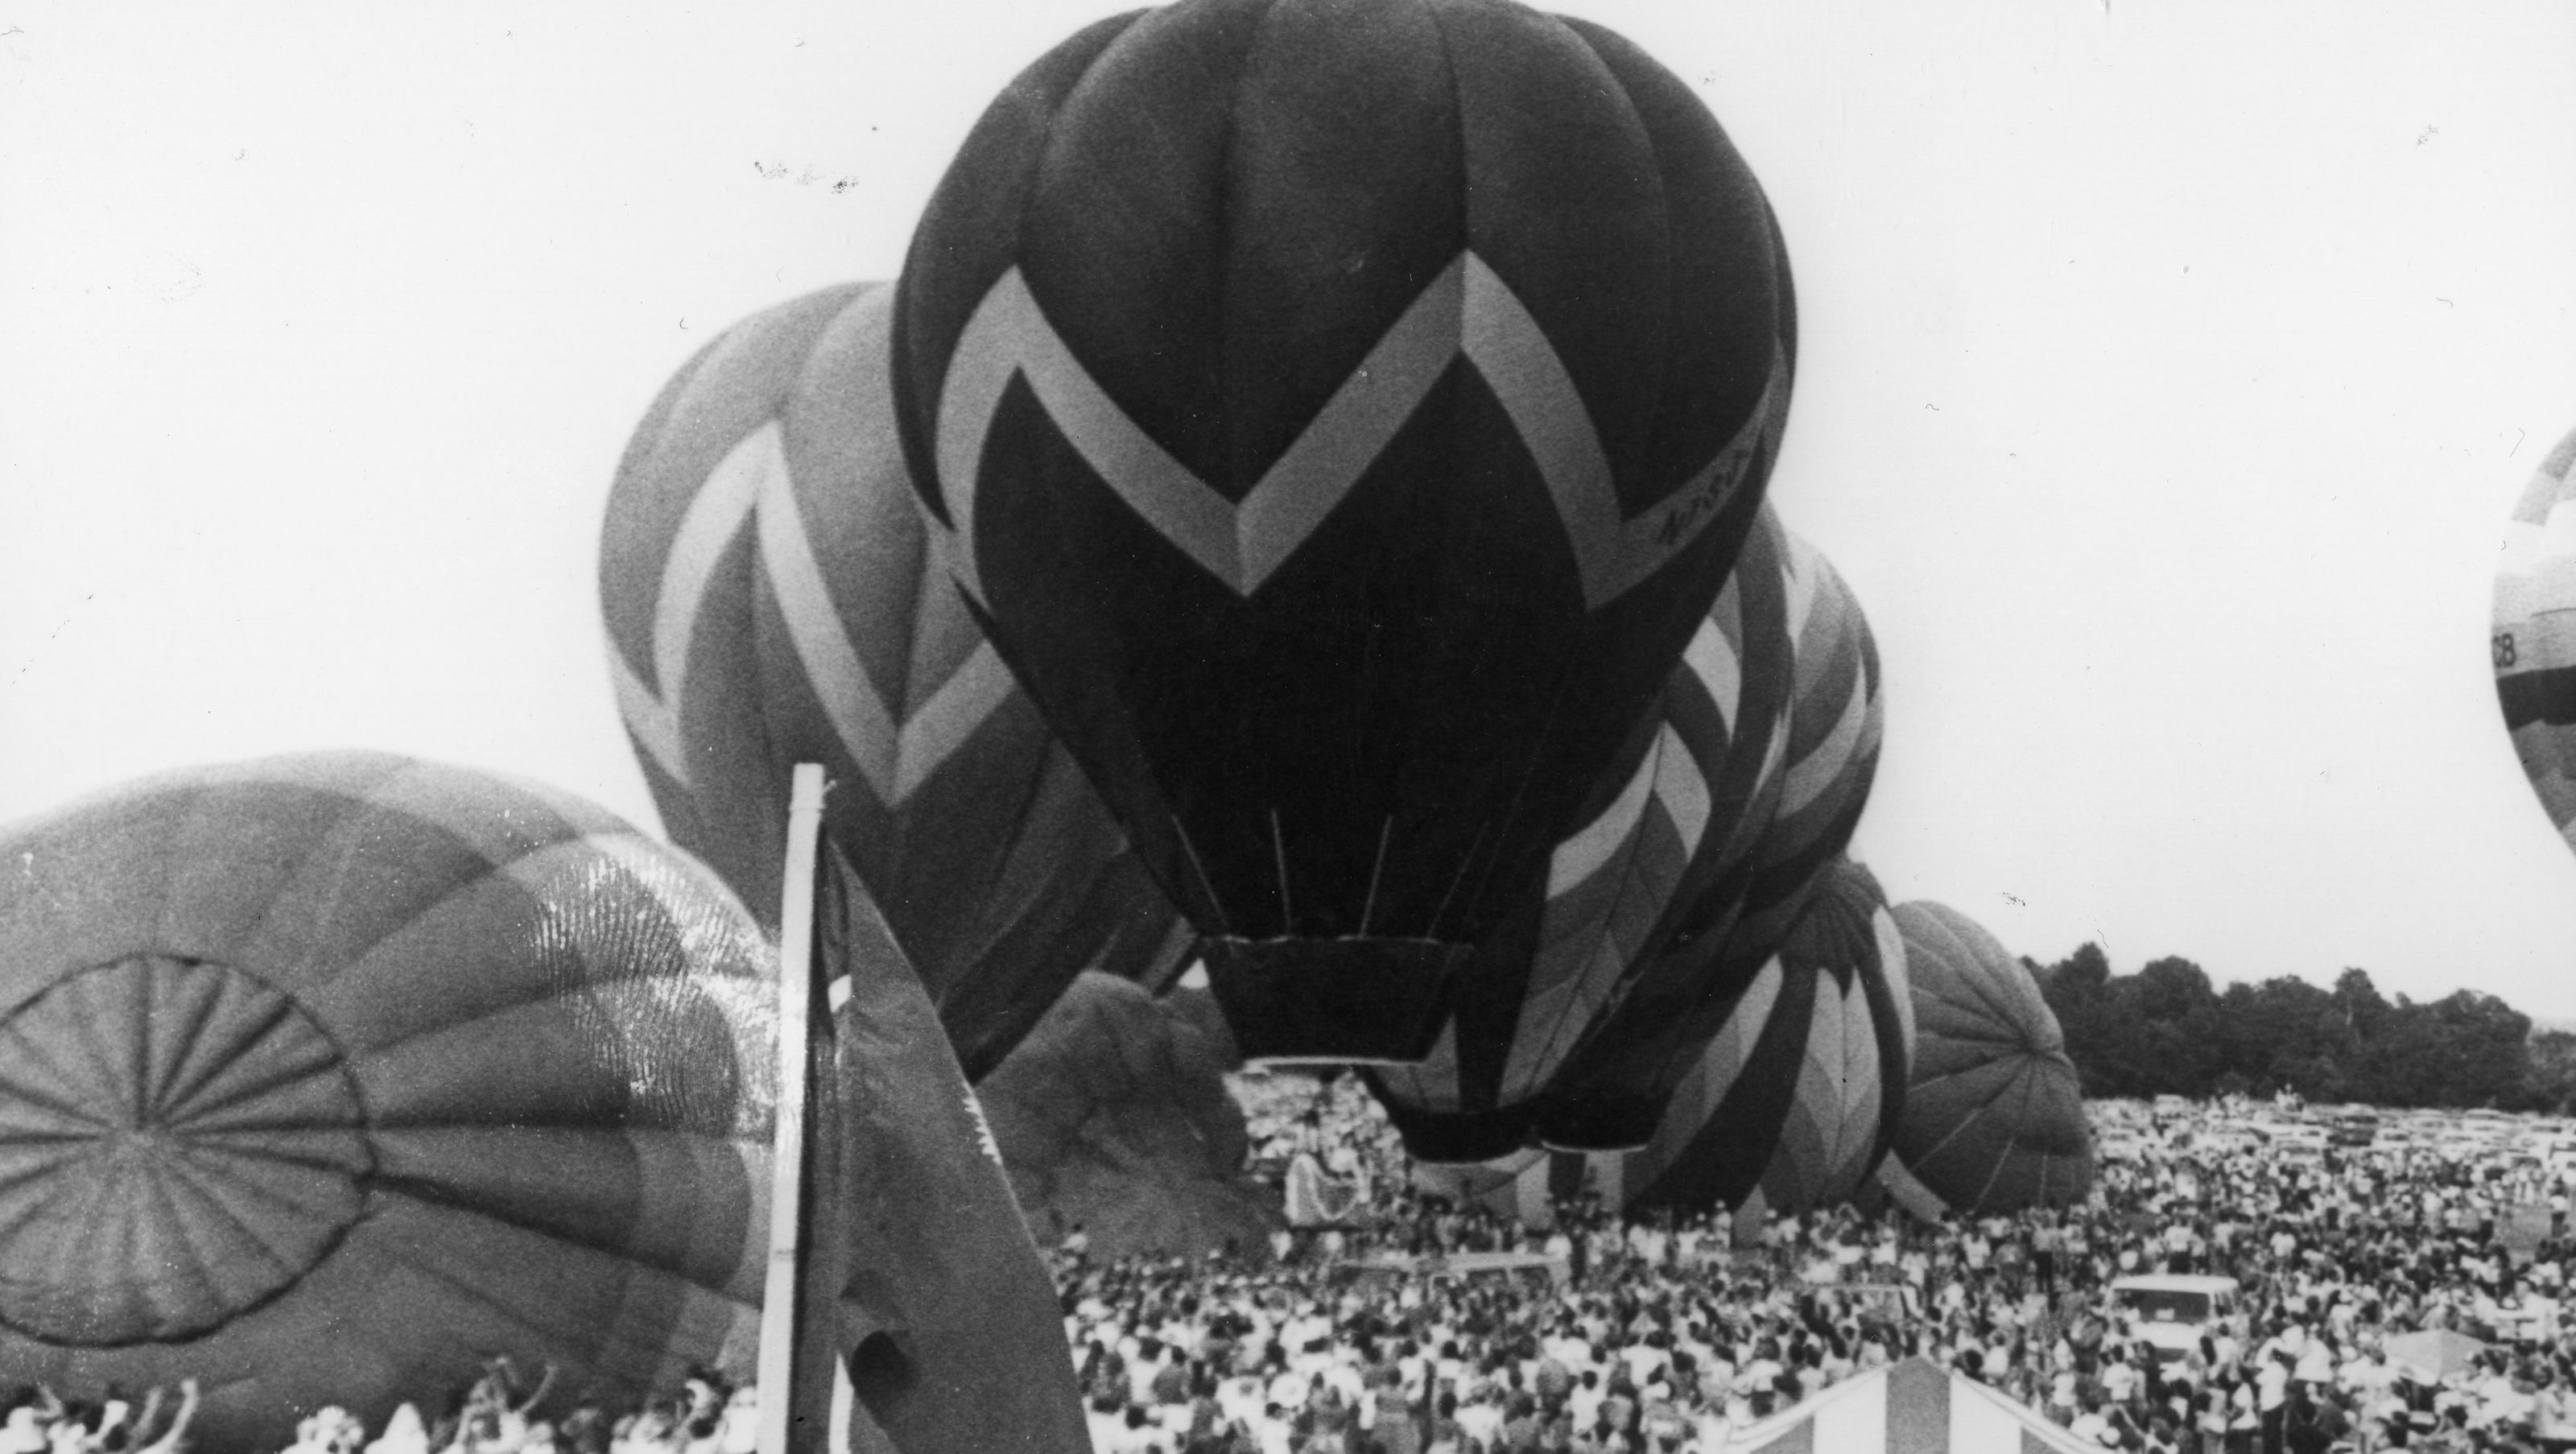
(2171, 1312)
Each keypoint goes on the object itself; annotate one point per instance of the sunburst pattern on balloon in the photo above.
(178, 1143)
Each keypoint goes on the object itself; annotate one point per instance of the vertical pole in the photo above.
(778, 1303)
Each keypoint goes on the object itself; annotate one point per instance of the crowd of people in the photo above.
(1678, 1334)
(498, 1411)
(1659, 1334)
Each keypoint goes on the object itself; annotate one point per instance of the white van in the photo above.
(2170, 1311)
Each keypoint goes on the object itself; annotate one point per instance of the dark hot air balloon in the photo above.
(1343, 413)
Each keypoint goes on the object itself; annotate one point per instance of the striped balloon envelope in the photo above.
(1793, 1101)
(324, 1079)
(1343, 413)
(1994, 1116)
(1611, 1093)
(2534, 641)
(771, 599)
(1684, 810)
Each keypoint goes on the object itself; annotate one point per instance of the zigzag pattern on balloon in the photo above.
(1708, 772)
(1466, 312)
(772, 596)
(753, 481)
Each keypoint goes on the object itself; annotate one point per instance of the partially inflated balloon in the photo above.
(2534, 643)
(1114, 1118)
(1682, 813)
(1802, 1088)
(1344, 413)
(323, 1079)
(1994, 1117)
(1613, 1090)
(771, 600)
(1795, 1099)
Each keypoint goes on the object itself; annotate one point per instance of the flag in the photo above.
(945, 1318)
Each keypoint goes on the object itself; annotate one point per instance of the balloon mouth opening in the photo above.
(226, 1120)
(1461, 1138)
(1334, 1000)
(1599, 1123)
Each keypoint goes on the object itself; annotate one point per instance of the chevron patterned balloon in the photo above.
(1687, 812)
(1793, 1101)
(771, 599)
(1612, 1091)
(1343, 414)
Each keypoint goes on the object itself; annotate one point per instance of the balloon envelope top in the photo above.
(2534, 640)
(325, 1078)
(1342, 413)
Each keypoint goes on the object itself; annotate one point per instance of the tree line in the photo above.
(2166, 1030)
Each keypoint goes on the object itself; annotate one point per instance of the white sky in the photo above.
(2167, 374)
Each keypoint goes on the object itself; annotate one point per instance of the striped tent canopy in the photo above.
(772, 598)
(1994, 1117)
(2534, 642)
(1913, 1407)
(325, 1078)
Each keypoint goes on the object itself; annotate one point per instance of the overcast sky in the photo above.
(2167, 372)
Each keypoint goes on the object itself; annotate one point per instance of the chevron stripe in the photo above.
(1467, 310)
(1823, 766)
(1568, 989)
(752, 485)
(1899, 976)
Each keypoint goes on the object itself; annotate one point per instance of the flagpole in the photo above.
(778, 1321)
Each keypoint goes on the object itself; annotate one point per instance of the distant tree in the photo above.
(2552, 1085)
(2074, 989)
(2166, 1030)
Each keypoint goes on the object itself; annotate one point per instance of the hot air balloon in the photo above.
(1994, 1121)
(1342, 414)
(1113, 1117)
(323, 1079)
(2534, 642)
(1793, 1102)
(770, 601)
(1612, 1091)
(1682, 817)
